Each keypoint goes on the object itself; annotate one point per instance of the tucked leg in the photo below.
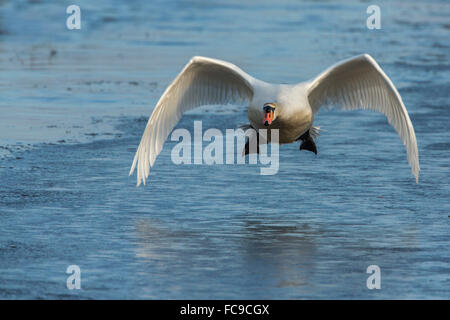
(307, 142)
(247, 144)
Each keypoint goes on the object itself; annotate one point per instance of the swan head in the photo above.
(270, 113)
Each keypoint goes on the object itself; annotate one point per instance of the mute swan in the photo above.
(356, 83)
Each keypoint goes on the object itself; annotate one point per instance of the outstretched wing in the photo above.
(203, 81)
(360, 83)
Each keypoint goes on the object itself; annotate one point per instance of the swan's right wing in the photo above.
(203, 81)
(360, 83)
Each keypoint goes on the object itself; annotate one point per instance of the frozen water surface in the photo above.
(74, 105)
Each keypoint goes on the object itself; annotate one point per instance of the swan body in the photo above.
(294, 115)
(356, 83)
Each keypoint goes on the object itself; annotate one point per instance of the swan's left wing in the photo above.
(360, 83)
(203, 81)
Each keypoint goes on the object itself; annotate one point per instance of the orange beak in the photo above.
(268, 116)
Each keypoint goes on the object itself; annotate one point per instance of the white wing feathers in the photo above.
(203, 81)
(360, 83)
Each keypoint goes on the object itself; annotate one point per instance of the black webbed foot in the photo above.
(307, 142)
(247, 145)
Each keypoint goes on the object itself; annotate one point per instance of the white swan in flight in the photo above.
(356, 83)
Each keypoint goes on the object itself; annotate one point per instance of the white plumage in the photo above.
(356, 83)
